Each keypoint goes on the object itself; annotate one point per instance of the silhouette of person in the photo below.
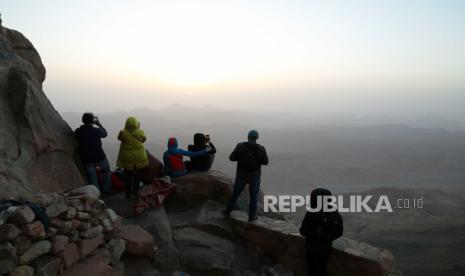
(250, 156)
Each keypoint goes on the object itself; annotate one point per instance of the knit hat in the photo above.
(253, 135)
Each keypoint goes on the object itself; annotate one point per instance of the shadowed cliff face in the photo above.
(37, 148)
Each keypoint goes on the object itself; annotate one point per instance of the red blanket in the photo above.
(153, 195)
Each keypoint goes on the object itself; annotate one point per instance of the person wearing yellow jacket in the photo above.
(132, 155)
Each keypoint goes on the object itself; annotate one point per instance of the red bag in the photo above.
(116, 183)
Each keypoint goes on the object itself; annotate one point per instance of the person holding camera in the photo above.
(91, 152)
(204, 162)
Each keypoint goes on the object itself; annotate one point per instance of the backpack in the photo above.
(332, 226)
(250, 158)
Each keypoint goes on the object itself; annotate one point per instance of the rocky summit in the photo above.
(38, 151)
(192, 235)
(88, 236)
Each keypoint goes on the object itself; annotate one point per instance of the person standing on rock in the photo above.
(250, 156)
(320, 229)
(91, 152)
(132, 156)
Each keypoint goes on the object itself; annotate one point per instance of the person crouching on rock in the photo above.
(91, 152)
(173, 158)
(320, 230)
(201, 163)
(250, 157)
(132, 155)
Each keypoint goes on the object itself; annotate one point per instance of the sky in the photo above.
(328, 57)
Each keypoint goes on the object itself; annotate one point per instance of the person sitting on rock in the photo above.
(320, 230)
(201, 163)
(173, 158)
(132, 156)
(250, 156)
(91, 151)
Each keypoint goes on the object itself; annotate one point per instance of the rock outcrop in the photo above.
(192, 235)
(282, 241)
(37, 152)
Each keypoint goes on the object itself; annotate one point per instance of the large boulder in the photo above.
(157, 223)
(206, 217)
(281, 240)
(38, 150)
(204, 253)
(138, 241)
(194, 189)
(92, 265)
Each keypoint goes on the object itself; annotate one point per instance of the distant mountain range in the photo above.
(306, 154)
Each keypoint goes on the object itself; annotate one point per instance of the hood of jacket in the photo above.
(318, 192)
(172, 143)
(131, 124)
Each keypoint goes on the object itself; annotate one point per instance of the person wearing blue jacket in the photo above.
(173, 158)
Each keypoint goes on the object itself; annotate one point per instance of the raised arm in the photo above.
(213, 149)
(191, 153)
(102, 132)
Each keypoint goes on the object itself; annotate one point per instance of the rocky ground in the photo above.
(192, 235)
(188, 235)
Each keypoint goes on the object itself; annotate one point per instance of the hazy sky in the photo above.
(303, 56)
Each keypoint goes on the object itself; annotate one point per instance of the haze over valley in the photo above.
(347, 155)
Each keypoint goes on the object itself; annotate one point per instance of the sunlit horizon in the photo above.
(309, 55)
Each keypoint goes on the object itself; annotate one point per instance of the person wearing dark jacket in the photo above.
(250, 156)
(204, 162)
(319, 229)
(91, 152)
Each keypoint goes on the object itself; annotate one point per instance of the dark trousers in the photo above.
(131, 182)
(317, 261)
(242, 179)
